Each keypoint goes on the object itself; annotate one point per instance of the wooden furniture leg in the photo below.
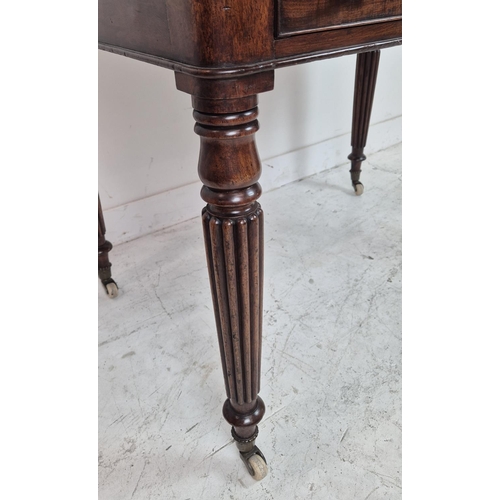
(229, 168)
(104, 247)
(364, 90)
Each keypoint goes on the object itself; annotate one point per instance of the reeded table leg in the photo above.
(364, 90)
(104, 247)
(229, 168)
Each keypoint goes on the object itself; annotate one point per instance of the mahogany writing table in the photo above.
(224, 53)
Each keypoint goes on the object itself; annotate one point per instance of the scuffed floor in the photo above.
(331, 368)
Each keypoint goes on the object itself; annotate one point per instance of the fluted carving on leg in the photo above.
(364, 91)
(234, 251)
(229, 167)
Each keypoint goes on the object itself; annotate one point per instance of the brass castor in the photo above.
(252, 457)
(255, 463)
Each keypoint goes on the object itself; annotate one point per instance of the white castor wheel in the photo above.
(259, 467)
(112, 290)
(358, 189)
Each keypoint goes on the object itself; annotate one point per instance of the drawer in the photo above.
(304, 16)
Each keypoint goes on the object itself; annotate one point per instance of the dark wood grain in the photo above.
(297, 16)
(233, 222)
(229, 88)
(198, 32)
(141, 25)
(364, 91)
(358, 36)
(230, 38)
(235, 71)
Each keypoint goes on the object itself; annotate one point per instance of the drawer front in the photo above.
(304, 16)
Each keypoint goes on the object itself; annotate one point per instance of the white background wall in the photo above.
(148, 152)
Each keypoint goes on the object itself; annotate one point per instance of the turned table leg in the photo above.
(364, 90)
(229, 168)
(104, 247)
(233, 223)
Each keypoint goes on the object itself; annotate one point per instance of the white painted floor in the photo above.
(331, 363)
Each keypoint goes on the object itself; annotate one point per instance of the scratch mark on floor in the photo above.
(156, 390)
(299, 360)
(342, 438)
(373, 491)
(140, 475)
(120, 418)
(391, 483)
(191, 428)
(125, 335)
(284, 347)
(273, 414)
(137, 392)
(161, 302)
(217, 451)
(384, 477)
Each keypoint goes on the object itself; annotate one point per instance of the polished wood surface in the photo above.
(297, 16)
(200, 33)
(224, 53)
(364, 91)
(336, 42)
(224, 38)
(229, 168)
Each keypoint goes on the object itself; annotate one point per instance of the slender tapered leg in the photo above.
(233, 227)
(104, 247)
(233, 223)
(364, 90)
